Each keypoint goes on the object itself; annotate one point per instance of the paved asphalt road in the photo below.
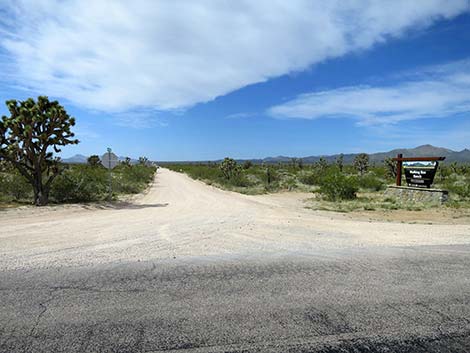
(413, 299)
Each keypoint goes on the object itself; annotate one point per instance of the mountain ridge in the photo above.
(427, 150)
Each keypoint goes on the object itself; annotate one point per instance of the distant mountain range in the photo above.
(420, 151)
(81, 159)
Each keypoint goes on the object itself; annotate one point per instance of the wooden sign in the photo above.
(419, 171)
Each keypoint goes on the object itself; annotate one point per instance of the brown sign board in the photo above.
(419, 171)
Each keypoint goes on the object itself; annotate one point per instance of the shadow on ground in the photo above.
(133, 206)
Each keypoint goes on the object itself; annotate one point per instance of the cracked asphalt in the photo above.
(219, 272)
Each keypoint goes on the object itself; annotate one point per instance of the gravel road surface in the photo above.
(187, 267)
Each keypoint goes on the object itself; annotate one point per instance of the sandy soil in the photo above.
(179, 217)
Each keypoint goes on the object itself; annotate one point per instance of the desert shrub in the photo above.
(247, 165)
(462, 190)
(317, 172)
(456, 186)
(86, 183)
(336, 186)
(443, 174)
(370, 182)
(13, 186)
(80, 183)
(132, 179)
(288, 182)
(200, 172)
(239, 180)
(310, 178)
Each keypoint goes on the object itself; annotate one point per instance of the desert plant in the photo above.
(310, 178)
(143, 160)
(321, 165)
(361, 163)
(80, 183)
(335, 186)
(94, 160)
(14, 186)
(229, 168)
(370, 182)
(340, 162)
(26, 136)
(247, 165)
(271, 175)
(391, 167)
(127, 162)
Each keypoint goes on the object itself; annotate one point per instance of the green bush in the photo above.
(239, 180)
(247, 164)
(199, 172)
(335, 186)
(80, 183)
(370, 182)
(310, 178)
(13, 186)
(458, 187)
(86, 183)
(132, 179)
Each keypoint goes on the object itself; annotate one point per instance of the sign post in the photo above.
(419, 171)
(109, 160)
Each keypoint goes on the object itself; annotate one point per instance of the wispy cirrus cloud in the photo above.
(240, 115)
(139, 119)
(121, 55)
(433, 92)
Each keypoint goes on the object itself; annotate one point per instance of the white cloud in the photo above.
(240, 115)
(120, 55)
(139, 120)
(434, 92)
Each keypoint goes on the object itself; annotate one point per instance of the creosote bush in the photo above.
(14, 187)
(80, 183)
(336, 186)
(370, 182)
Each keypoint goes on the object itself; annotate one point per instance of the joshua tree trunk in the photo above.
(42, 188)
(41, 194)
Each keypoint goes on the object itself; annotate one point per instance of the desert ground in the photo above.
(188, 267)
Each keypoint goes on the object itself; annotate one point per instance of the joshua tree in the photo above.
(143, 160)
(270, 174)
(127, 161)
(361, 163)
(247, 164)
(229, 168)
(297, 163)
(94, 160)
(391, 167)
(27, 135)
(322, 164)
(340, 162)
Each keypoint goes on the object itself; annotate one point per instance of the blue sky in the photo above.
(201, 80)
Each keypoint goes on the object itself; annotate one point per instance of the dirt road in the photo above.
(180, 217)
(190, 267)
